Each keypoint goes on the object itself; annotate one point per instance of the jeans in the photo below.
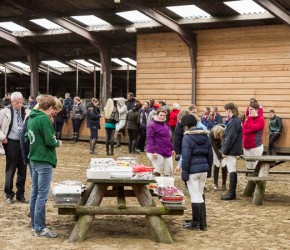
(41, 180)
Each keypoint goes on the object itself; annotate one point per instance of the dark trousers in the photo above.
(142, 139)
(133, 134)
(272, 139)
(76, 125)
(58, 126)
(14, 161)
(110, 135)
(94, 133)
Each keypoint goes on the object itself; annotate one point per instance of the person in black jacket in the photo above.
(231, 147)
(197, 158)
(93, 122)
(59, 120)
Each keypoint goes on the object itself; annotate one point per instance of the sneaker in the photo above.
(215, 187)
(9, 201)
(46, 233)
(224, 188)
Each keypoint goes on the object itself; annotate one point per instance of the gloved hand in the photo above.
(177, 157)
(184, 176)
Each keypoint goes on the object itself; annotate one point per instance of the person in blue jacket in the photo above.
(197, 159)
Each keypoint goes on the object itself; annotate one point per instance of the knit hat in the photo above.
(176, 105)
(188, 120)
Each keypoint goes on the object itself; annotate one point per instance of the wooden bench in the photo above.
(260, 175)
(90, 206)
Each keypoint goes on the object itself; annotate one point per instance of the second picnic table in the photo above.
(257, 182)
(98, 189)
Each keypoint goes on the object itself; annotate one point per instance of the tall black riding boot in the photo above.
(93, 145)
(107, 147)
(134, 146)
(224, 178)
(231, 195)
(74, 138)
(130, 145)
(215, 177)
(195, 223)
(112, 147)
(118, 140)
(203, 224)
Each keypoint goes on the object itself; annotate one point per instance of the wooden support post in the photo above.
(259, 193)
(249, 189)
(105, 55)
(156, 222)
(84, 222)
(121, 197)
(34, 76)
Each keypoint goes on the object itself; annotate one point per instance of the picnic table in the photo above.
(89, 206)
(257, 181)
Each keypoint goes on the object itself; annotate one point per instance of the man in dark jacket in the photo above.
(231, 147)
(197, 158)
(275, 130)
(130, 102)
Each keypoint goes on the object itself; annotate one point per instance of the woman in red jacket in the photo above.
(173, 119)
(253, 134)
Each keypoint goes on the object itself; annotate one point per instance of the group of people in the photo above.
(30, 135)
(28, 138)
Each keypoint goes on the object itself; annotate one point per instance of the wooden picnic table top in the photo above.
(127, 181)
(266, 158)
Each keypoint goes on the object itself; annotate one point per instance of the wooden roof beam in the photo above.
(63, 22)
(274, 9)
(161, 18)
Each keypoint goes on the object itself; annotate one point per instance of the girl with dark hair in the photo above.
(231, 147)
(93, 122)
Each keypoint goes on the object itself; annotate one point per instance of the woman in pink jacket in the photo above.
(253, 134)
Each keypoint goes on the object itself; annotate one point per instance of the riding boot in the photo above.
(195, 223)
(186, 221)
(215, 177)
(203, 224)
(118, 140)
(76, 138)
(231, 195)
(112, 147)
(93, 145)
(224, 178)
(130, 145)
(123, 131)
(134, 146)
(107, 147)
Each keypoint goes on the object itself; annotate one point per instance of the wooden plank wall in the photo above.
(233, 65)
(237, 64)
(164, 69)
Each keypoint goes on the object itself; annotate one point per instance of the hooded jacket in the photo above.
(40, 135)
(122, 108)
(197, 156)
(93, 116)
(173, 117)
(253, 132)
(158, 138)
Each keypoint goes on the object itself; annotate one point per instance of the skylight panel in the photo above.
(55, 64)
(13, 27)
(90, 20)
(84, 63)
(21, 65)
(134, 16)
(118, 61)
(46, 24)
(94, 62)
(2, 68)
(129, 60)
(189, 11)
(245, 7)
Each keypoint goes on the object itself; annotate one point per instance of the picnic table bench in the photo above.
(89, 206)
(257, 181)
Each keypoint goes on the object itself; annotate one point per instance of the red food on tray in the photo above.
(172, 198)
(142, 169)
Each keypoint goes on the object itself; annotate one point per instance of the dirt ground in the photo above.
(234, 224)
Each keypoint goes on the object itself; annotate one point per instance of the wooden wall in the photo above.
(233, 65)
(163, 69)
